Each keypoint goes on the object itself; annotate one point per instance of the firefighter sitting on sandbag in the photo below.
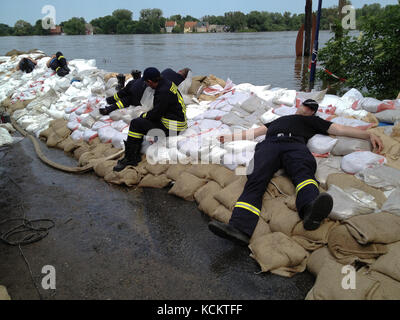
(132, 93)
(168, 114)
(26, 65)
(285, 147)
(59, 64)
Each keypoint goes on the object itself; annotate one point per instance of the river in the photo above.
(257, 58)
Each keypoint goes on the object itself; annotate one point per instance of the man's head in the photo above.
(152, 76)
(184, 72)
(308, 108)
(136, 74)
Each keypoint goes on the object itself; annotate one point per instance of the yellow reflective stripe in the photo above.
(116, 97)
(60, 57)
(144, 116)
(135, 135)
(120, 105)
(306, 183)
(249, 207)
(174, 122)
(58, 69)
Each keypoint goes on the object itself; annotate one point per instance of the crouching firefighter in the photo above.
(168, 114)
(59, 64)
(129, 95)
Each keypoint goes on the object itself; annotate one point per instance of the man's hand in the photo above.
(225, 138)
(377, 144)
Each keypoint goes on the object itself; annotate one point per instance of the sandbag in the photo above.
(261, 230)
(157, 169)
(186, 186)
(381, 177)
(222, 214)
(282, 219)
(230, 194)
(201, 171)
(156, 182)
(278, 253)
(345, 146)
(129, 176)
(321, 144)
(105, 167)
(207, 191)
(392, 205)
(175, 170)
(388, 116)
(358, 161)
(317, 260)
(222, 176)
(4, 294)
(387, 264)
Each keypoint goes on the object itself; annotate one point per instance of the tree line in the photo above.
(151, 21)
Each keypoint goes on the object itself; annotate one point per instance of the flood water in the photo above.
(257, 58)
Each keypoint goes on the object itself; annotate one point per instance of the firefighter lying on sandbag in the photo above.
(26, 65)
(285, 147)
(168, 114)
(132, 93)
(59, 64)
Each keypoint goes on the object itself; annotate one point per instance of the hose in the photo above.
(55, 165)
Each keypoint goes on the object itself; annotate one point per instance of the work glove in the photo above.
(107, 110)
(110, 100)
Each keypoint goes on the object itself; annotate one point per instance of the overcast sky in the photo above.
(31, 10)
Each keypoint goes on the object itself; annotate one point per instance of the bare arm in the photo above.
(346, 131)
(244, 135)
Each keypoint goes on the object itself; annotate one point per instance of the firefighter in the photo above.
(285, 147)
(168, 115)
(59, 64)
(175, 77)
(27, 65)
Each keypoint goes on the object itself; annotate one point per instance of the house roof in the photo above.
(170, 24)
(190, 24)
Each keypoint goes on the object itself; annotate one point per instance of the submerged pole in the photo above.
(315, 50)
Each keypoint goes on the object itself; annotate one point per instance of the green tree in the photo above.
(75, 26)
(38, 29)
(123, 14)
(151, 19)
(370, 62)
(5, 30)
(23, 28)
(236, 21)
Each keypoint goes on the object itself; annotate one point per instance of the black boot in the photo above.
(132, 156)
(317, 211)
(229, 232)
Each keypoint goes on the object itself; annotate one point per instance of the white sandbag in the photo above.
(358, 161)
(382, 177)
(211, 114)
(350, 202)
(346, 145)
(286, 97)
(314, 95)
(388, 116)
(88, 121)
(186, 84)
(233, 160)
(73, 125)
(254, 103)
(392, 205)
(285, 111)
(269, 116)
(89, 135)
(353, 123)
(373, 105)
(118, 140)
(119, 125)
(100, 124)
(326, 167)
(235, 147)
(352, 95)
(77, 135)
(321, 144)
(5, 137)
(177, 157)
(106, 134)
(147, 100)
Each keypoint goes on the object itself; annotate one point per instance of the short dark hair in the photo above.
(152, 74)
(312, 104)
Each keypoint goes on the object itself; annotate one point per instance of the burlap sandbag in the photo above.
(230, 195)
(44, 135)
(279, 217)
(71, 145)
(129, 176)
(346, 181)
(387, 288)
(209, 205)
(83, 148)
(284, 185)
(347, 250)
(313, 240)
(156, 182)
(4, 294)
(104, 168)
(391, 148)
(389, 263)
(201, 171)
(317, 260)
(223, 176)
(261, 230)
(207, 191)
(222, 214)
(278, 253)
(186, 186)
(374, 228)
(329, 284)
(157, 169)
(196, 84)
(175, 170)
(98, 152)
